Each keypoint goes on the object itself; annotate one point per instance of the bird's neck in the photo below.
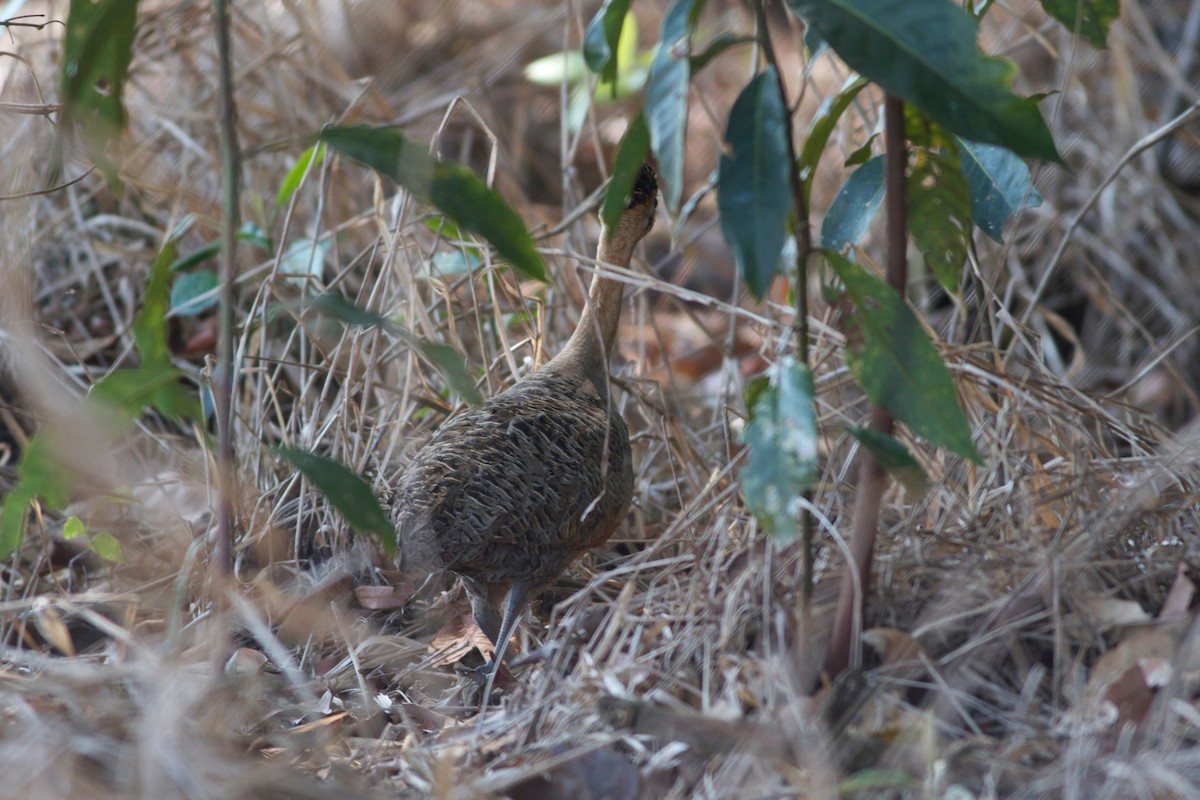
(590, 346)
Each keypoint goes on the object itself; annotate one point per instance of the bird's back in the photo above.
(515, 489)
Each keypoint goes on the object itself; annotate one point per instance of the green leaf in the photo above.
(187, 291)
(448, 362)
(874, 779)
(631, 154)
(897, 365)
(346, 492)
(926, 54)
(667, 96)
(150, 325)
(894, 458)
(562, 67)
(716, 47)
(1091, 18)
(105, 545)
(39, 474)
(602, 37)
(939, 214)
(128, 391)
(854, 207)
(309, 159)
(1000, 185)
(73, 528)
(782, 442)
(452, 189)
(753, 184)
(12, 521)
(821, 127)
(97, 49)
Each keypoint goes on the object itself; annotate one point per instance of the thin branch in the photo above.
(231, 167)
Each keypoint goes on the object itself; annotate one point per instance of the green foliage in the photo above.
(1000, 185)
(311, 158)
(925, 53)
(602, 49)
(346, 492)
(631, 154)
(821, 127)
(102, 543)
(1090, 18)
(667, 96)
(190, 293)
(38, 475)
(781, 438)
(894, 458)
(854, 207)
(445, 359)
(450, 188)
(754, 184)
(939, 213)
(896, 364)
(97, 49)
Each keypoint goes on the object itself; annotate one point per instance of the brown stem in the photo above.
(844, 645)
(231, 167)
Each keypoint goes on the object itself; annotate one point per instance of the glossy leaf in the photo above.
(895, 459)
(926, 54)
(667, 97)
(782, 441)
(448, 362)
(897, 365)
(1090, 18)
(631, 154)
(855, 205)
(939, 214)
(600, 41)
(753, 181)
(98, 46)
(349, 494)
(999, 183)
(450, 188)
(188, 293)
(821, 127)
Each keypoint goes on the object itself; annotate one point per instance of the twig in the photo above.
(231, 167)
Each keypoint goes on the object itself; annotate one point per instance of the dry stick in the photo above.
(231, 167)
(844, 647)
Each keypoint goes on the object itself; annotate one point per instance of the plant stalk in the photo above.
(800, 287)
(224, 378)
(845, 646)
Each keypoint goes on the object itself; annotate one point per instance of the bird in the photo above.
(509, 493)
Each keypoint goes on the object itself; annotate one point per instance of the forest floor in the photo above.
(1030, 629)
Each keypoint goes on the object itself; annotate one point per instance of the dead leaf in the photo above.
(457, 638)
(50, 625)
(383, 598)
(1120, 687)
(1179, 599)
(1108, 612)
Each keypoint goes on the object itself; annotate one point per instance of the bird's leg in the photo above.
(514, 601)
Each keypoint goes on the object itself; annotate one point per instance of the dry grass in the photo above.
(676, 659)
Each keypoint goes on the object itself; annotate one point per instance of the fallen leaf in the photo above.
(383, 598)
(1179, 599)
(457, 638)
(1108, 612)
